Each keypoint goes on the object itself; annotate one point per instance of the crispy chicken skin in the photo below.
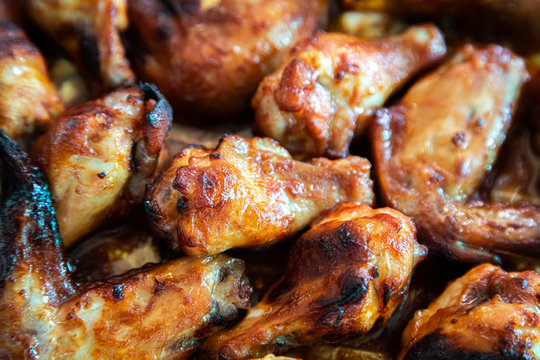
(344, 277)
(209, 56)
(28, 98)
(325, 91)
(88, 31)
(159, 311)
(433, 150)
(99, 156)
(486, 314)
(248, 193)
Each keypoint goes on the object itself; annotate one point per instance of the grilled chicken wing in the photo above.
(486, 314)
(209, 56)
(157, 311)
(248, 193)
(28, 98)
(326, 90)
(344, 277)
(434, 148)
(99, 156)
(88, 31)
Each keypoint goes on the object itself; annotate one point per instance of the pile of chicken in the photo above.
(117, 243)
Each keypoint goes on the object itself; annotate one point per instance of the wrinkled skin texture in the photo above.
(248, 193)
(99, 156)
(344, 277)
(326, 89)
(45, 315)
(89, 31)
(486, 314)
(433, 150)
(28, 98)
(209, 56)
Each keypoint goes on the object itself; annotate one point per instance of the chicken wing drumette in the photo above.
(248, 193)
(89, 31)
(326, 89)
(209, 56)
(157, 311)
(344, 277)
(28, 98)
(486, 314)
(433, 150)
(99, 156)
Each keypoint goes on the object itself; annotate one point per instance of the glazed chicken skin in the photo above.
(99, 156)
(89, 31)
(209, 56)
(344, 277)
(486, 314)
(326, 89)
(433, 150)
(28, 98)
(159, 311)
(248, 193)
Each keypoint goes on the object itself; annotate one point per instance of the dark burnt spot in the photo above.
(520, 282)
(181, 205)
(453, 321)
(163, 31)
(70, 316)
(215, 156)
(460, 140)
(162, 112)
(280, 290)
(374, 272)
(326, 247)
(102, 174)
(217, 320)
(353, 288)
(387, 293)
(118, 291)
(340, 75)
(345, 237)
(158, 286)
(173, 6)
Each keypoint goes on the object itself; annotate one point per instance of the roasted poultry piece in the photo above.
(209, 56)
(486, 314)
(99, 156)
(434, 148)
(28, 98)
(325, 91)
(156, 311)
(89, 31)
(344, 277)
(248, 193)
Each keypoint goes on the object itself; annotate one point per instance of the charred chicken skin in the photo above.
(160, 311)
(325, 91)
(486, 314)
(248, 193)
(209, 56)
(344, 277)
(28, 98)
(99, 156)
(433, 150)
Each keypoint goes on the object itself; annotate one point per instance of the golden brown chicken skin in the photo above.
(89, 31)
(159, 311)
(433, 150)
(28, 98)
(486, 314)
(326, 89)
(248, 193)
(99, 156)
(209, 56)
(344, 277)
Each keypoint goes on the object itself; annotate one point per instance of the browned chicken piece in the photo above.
(344, 277)
(209, 56)
(486, 314)
(328, 87)
(28, 98)
(156, 311)
(248, 193)
(89, 31)
(433, 150)
(99, 156)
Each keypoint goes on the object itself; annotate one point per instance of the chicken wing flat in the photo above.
(433, 150)
(28, 98)
(248, 193)
(325, 91)
(157, 311)
(88, 31)
(486, 314)
(209, 56)
(99, 156)
(344, 277)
